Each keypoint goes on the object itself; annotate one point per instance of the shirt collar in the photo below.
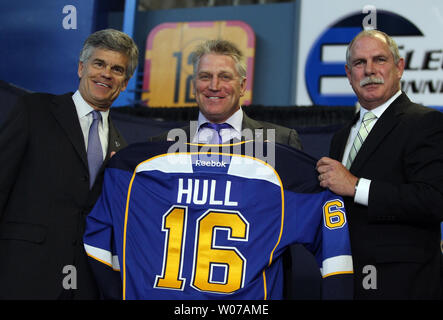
(235, 120)
(83, 108)
(378, 111)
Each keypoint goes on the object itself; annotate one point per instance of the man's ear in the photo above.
(80, 69)
(242, 87)
(400, 67)
(125, 85)
(348, 72)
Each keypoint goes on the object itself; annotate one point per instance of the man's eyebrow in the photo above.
(112, 66)
(118, 66)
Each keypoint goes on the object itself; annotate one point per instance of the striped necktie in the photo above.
(95, 153)
(217, 127)
(365, 127)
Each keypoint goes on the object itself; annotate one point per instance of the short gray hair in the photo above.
(115, 40)
(373, 34)
(222, 47)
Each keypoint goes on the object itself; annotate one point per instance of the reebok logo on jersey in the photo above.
(211, 163)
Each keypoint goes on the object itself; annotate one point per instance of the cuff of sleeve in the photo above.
(362, 192)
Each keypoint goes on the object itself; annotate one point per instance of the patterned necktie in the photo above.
(365, 127)
(217, 127)
(95, 153)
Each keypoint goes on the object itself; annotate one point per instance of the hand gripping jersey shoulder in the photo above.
(210, 223)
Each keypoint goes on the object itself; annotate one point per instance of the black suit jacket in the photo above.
(44, 198)
(395, 239)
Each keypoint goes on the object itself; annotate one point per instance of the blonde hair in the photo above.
(222, 47)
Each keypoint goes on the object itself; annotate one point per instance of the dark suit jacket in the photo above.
(9, 95)
(44, 198)
(399, 231)
(283, 135)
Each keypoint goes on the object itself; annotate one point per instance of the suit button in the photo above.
(85, 178)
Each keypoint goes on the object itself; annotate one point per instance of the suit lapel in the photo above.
(388, 120)
(252, 124)
(115, 142)
(340, 140)
(64, 111)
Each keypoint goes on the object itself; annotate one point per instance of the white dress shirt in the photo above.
(85, 118)
(362, 192)
(207, 135)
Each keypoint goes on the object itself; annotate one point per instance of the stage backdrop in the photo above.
(168, 70)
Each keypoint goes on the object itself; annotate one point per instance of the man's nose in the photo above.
(369, 68)
(106, 72)
(214, 83)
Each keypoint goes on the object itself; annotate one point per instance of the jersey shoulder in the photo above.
(296, 169)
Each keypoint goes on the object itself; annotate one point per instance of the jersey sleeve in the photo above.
(100, 235)
(335, 253)
(318, 221)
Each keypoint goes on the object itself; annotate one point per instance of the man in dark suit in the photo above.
(389, 168)
(48, 183)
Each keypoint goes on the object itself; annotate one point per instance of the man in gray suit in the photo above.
(219, 82)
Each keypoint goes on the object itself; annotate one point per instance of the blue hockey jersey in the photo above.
(210, 223)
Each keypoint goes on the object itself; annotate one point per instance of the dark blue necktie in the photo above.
(95, 153)
(217, 127)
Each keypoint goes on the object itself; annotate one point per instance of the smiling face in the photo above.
(372, 72)
(102, 77)
(218, 87)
